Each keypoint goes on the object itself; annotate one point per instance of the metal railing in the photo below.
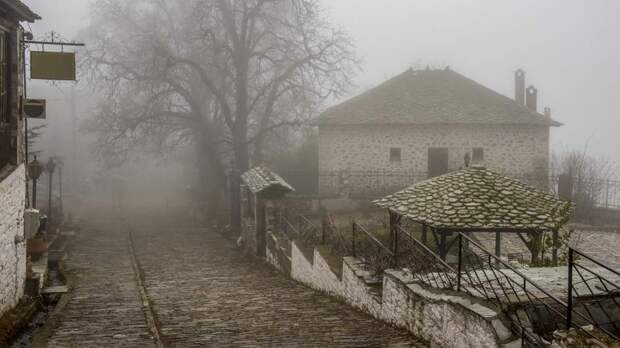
(534, 312)
(375, 256)
(593, 294)
(310, 233)
(422, 263)
(288, 229)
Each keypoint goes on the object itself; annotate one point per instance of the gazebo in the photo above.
(261, 185)
(477, 200)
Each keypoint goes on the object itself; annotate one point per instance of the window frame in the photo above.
(477, 151)
(396, 155)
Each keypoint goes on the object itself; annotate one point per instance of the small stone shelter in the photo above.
(261, 189)
(426, 123)
(478, 200)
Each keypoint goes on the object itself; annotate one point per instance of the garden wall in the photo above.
(445, 319)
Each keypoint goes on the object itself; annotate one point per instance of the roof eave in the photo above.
(318, 123)
(21, 10)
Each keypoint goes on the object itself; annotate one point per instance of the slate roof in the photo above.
(431, 96)
(262, 179)
(478, 199)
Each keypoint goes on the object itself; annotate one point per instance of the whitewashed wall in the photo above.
(444, 319)
(12, 241)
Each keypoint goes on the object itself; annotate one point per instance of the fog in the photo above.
(568, 49)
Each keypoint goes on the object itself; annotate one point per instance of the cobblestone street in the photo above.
(200, 292)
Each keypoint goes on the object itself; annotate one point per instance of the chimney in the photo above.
(520, 87)
(547, 111)
(531, 98)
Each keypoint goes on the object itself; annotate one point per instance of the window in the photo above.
(395, 154)
(478, 155)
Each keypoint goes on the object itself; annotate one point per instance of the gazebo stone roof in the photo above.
(261, 180)
(478, 199)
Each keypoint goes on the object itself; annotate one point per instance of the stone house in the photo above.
(13, 199)
(424, 123)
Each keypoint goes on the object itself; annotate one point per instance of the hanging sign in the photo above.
(35, 108)
(52, 65)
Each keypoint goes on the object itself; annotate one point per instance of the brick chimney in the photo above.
(531, 98)
(520, 87)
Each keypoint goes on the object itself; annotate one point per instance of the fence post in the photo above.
(458, 272)
(323, 228)
(569, 307)
(353, 238)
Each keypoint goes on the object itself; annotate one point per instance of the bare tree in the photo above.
(589, 177)
(224, 74)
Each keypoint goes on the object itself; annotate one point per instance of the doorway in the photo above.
(437, 161)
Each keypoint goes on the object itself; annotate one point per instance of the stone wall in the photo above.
(12, 239)
(519, 150)
(444, 319)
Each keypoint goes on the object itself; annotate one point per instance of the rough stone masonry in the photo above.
(12, 241)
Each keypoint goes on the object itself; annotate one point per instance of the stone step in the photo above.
(62, 289)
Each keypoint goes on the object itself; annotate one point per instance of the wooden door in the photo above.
(437, 161)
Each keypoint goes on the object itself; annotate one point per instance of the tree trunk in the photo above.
(211, 173)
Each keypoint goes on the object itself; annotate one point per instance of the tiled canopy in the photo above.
(478, 199)
(261, 180)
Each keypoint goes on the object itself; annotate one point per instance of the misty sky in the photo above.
(570, 50)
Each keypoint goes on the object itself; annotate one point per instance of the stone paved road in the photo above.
(104, 308)
(203, 294)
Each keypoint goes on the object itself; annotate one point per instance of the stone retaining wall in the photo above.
(445, 319)
(12, 239)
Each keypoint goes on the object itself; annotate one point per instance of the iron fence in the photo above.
(534, 312)
(593, 293)
(310, 233)
(421, 262)
(288, 229)
(375, 256)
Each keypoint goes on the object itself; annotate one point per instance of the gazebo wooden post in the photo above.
(424, 234)
(442, 244)
(498, 244)
(554, 251)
